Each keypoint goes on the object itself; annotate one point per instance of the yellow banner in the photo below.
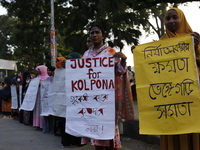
(167, 87)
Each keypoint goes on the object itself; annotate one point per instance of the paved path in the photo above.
(16, 136)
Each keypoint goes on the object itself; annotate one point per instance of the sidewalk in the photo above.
(16, 136)
(131, 129)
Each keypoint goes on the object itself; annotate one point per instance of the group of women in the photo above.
(20, 84)
(176, 25)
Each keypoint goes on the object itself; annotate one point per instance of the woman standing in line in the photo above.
(177, 25)
(5, 94)
(58, 119)
(27, 115)
(123, 96)
(48, 122)
(37, 119)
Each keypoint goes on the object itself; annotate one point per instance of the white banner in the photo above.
(90, 93)
(30, 96)
(59, 93)
(14, 97)
(46, 97)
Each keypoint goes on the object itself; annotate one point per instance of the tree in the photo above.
(28, 36)
(120, 23)
(6, 28)
(157, 13)
(148, 4)
(121, 20)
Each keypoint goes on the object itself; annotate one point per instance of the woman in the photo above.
(5, 94)
(176, 25)
(19, 82)
(48, 123)
(37, 119)
(50, 71)
(60, 62)
(123, 96)
(27, 118)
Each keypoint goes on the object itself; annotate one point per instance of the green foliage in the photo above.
(157, 13)
(74, 20)
(28, 37)
(6, 28)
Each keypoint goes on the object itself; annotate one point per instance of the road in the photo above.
(16, 136)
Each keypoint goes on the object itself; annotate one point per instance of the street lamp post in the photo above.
(53, 36)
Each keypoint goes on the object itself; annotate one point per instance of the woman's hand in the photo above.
(132, 48)
(196, 45)
(120, 55)
(196, 40)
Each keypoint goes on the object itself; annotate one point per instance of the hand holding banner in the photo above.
(167, 86)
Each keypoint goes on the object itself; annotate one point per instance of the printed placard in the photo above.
(90, 94)
(14, 97)
(167, 86)
(30, 96)
(46, 97)
(59, 93)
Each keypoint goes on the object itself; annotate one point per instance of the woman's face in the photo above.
(96, 35)
(49, 72)
(172, 20)
(28, 79)
(89, 43)
(18, 79)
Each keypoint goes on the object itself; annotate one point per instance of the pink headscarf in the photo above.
(43, 69)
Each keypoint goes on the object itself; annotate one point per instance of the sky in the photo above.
(191, 11)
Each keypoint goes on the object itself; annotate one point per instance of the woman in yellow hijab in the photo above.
(177, 25)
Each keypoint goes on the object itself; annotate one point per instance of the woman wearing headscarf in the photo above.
(58, 119)
(60, 62)
(47, 121)
(37, 119)
(5, 94)
(177, 25)
(42, 72)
